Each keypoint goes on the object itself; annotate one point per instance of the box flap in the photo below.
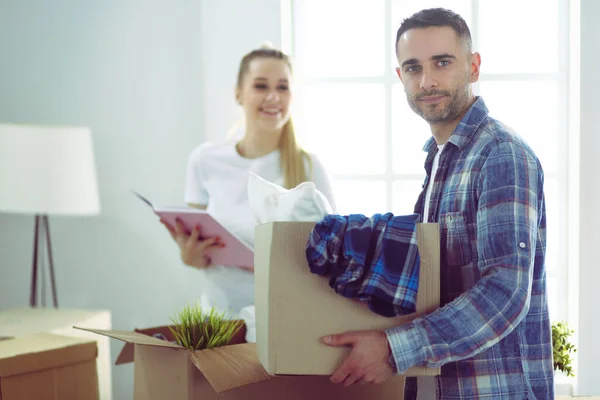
(43, 351)
(132, 337)
(229, 367)
(126, 355)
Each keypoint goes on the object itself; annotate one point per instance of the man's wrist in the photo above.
(391, 359)
(408, 345)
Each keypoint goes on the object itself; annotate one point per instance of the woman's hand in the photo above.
(194, 252)
(249, 269)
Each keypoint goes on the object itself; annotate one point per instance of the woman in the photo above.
(217, 173)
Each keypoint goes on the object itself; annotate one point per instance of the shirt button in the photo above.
(522, 245)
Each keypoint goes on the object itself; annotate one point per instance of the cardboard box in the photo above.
(24, 321)
(295, 308)
(48, 367)
(164, 370)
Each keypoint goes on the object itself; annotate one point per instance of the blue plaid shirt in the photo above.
(492, 334)
(374, 260)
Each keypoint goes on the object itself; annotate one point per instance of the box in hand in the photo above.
(295, 308)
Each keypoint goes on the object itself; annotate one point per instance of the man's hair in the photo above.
(437, 17)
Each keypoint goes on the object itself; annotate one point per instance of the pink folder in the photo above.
(235, 253)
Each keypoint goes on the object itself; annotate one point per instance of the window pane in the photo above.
(518, 36)
(405, 194)
(345, 125)
(360, 197)
(517, 103)
(339, 38)
(402, 9)
(409, 134)
(553, 229)
(553, 298)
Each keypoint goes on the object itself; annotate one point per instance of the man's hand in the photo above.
(368, 359)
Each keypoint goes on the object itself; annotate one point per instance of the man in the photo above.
(484, 187)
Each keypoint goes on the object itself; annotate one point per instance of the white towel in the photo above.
(247, 314)
(270, 202)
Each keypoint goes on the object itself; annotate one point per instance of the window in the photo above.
(349, 93)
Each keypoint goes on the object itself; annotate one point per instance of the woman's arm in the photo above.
(322, 180)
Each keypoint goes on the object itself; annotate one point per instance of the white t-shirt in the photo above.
(217, 176)
(434, 168)
(426, 384)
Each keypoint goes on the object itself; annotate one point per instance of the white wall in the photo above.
(229, 29)
(589, 271)
(152, 79)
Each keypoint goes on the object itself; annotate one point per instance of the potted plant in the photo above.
(197, 330)
(562, 348)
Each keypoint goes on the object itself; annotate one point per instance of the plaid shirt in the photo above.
(374, 260)
(492, 336)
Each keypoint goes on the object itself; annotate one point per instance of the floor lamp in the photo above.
(46, 170)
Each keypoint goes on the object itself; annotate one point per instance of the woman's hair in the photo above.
(292, 155)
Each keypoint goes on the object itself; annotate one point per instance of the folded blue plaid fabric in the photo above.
(374, 260)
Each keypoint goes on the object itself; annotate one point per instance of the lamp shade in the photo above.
(47, 170)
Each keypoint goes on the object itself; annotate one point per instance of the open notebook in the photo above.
(235, 253)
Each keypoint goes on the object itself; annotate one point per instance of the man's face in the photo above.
(437, 71)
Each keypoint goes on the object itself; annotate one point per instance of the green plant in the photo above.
(197, 330)
(562, 348)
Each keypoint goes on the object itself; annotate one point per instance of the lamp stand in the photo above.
(41, 223)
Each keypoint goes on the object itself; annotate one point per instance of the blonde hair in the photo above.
(291, 154)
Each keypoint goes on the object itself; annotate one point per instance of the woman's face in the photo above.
(265, 93)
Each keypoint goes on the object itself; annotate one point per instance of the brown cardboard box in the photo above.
(45, 366)
(164, 370)
(22, 321)
(295, 308)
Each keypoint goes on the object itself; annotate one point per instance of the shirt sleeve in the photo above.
(195, 191)
(322, 180)
(507, 227)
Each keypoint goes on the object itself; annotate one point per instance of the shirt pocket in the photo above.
(454, 234)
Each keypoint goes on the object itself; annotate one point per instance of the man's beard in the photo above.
(459, 100)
